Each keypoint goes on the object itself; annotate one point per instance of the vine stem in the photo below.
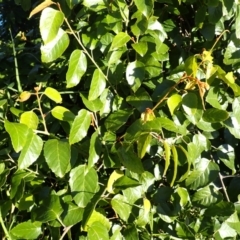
(85, 50)
(4, 227)
(223, 186)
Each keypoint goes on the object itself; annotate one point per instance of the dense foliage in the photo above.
(119, 119)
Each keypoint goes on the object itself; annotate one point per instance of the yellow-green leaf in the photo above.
(30, 119)
(53, 94)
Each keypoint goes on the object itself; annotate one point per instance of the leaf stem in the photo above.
(66, 229)
(4, 227)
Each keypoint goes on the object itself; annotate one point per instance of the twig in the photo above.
(85, 51)
(16, 63)
(223, 186)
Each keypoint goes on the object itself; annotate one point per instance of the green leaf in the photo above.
(72, 214)
(53, 94)
(120, 40)
(140, 100)
(121, 206)
(143, 143)
(94, 105)
(49, 210)
(98, 231)
(76, 69)
(130, 160)
(57, 154)
(220, 209)
(125, 182)
(173, 102)
(84, 184)
(30, 151)
(27, 230)
(18, 133)
(117, 119)
(98, 85)
(135, 73)
(54, 49)
(214, 115)
(191, 66)
(144, 6)
(183, 231)
(50, 22)
(175, 162)
(206, 196)
(30, 119)
(190, 103)
(97, 217)
(226, 154)
(94, 150)
(80, 126)
(62, 113)
(205, 172)
(141, 48)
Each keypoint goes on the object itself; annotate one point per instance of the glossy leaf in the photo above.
(175, 163)
(40, 7)
(30, 151)
(50, 22)
(30, 119)
(80, 126)
(53, 94)
(76, 69)
(57, 154)
(98, 85)
(83, 190)
(145, 7)
(55, 48)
